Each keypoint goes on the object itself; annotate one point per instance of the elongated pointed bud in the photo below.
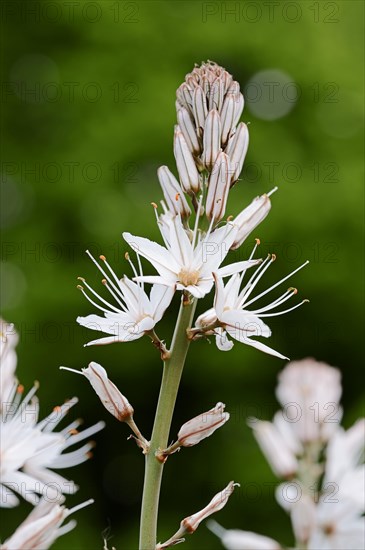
(236, 150)
(200, 109)
(227, 118)
(109, 395)
(173, 193)
(189, 175)
(188, 129)
(216, 94)
(218, 502)
(278, 454)
(250, 218)
(185, 96)
(202, 426)
(218, 188)
(211, 139)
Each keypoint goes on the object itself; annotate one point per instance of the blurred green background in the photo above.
(88, 91)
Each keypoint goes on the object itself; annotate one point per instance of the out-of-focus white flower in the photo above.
(8, 341)
(42, 527)
(235, 539)
(30, 448)
(278, 449)
(339, 526)
(133, 314)
(233, 317)
(202, 426)
(184, 263)
(345, 451)
(309, 392)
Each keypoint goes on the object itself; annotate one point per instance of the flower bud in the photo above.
(227, 118)
(218, 188)
(202, 426)
(188, 130)
(272, 443)
(237, 149)
(188, 172)
(250, 218)
(216, 94)
(211, 139)
(109, 395)
(191, 523)
(173, 193)
(200, 109)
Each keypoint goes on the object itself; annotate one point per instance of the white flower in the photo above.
(309, 392)
(42, 527)
(233, 317)
(345, 451)
(134, 312)
(339, 526)
(278, 446)
(235, 539)
(188, 264)
(30, 449)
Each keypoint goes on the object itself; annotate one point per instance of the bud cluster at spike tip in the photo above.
(209, 144)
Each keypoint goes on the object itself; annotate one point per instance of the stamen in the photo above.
(71, 370)
(154, 205)
(277, 284)
(100, 297)
(103, 272)
(92, 301)
(258, 242)
(80, 506)
(115, 296)
(285, 311)
(272, 191)
(244, 294)
(283, 298)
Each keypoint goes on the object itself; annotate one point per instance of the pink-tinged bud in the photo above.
(250, 217)
(185, 96)
(188, 129)
(234, 91)
(191, 523)
(109, 395)
(173, 193)
(227, 118)
(211, 139)
(278, 453)
(202, 426)
(237, 149)
(218, 188)
(200, 108)
(189, 175)
(216, 94)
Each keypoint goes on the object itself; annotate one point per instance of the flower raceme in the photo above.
(133, 312)
(231, 316)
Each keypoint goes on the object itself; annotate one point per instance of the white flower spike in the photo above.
(134, 313)
(188, 264)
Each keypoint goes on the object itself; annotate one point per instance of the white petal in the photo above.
(223, 344)
(159, 257)
(160, 298)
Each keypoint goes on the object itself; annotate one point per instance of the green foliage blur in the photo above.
(88, 96)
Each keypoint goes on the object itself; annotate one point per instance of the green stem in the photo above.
(172, 371)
